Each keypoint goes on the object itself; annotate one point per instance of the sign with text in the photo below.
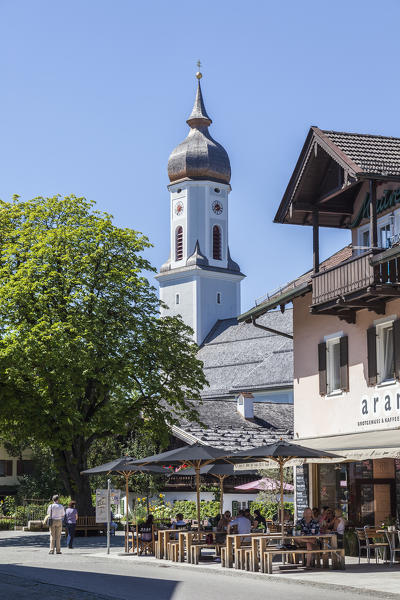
(381, 408)
(101, 506)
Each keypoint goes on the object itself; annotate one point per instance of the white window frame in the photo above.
(381, 325)
(332, 341)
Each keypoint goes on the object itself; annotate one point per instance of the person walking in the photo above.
(71, 517)
(55, 513)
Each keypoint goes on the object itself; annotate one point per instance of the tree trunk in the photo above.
(70, 464)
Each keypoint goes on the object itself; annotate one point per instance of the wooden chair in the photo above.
(371, 537)
(145, 539)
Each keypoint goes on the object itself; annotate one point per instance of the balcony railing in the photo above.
(371, 274)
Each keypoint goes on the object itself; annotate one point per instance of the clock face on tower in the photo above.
(179, 209)
(217, 207)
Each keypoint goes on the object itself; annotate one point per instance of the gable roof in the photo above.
(329, 173)
(226, 428)
(239, 357)
(295, 288)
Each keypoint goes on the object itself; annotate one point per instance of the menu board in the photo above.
(397, 471)
(301, 490)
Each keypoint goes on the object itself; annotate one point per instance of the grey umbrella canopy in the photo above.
(123, 466)
(195, 456)
(220, 471)
(280, 452)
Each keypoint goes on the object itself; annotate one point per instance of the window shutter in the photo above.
(9, 468)
(396, 348)
(372, 365)
(322, 368)
(344, 363)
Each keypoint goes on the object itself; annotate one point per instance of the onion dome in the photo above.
(199, 156)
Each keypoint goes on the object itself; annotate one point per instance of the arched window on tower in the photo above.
(179, 243)
(217, 243)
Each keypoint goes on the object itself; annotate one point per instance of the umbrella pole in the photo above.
(127, 514)
(197, 470)
(221, 494)
(282, 508)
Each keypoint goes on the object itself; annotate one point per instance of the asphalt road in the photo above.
(27, 571)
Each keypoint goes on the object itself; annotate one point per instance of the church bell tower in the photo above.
(199, 281)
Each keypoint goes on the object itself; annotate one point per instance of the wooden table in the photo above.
(186, 540)
(259, 545)
(164, 538)
(233, 542)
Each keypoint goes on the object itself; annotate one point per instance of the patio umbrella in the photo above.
(280, 452)
(123, 466)
(220, 472)
(195, 456)
(265, 484)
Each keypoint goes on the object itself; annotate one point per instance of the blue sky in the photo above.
(95, 94)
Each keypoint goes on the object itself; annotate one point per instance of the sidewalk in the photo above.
(381, 581)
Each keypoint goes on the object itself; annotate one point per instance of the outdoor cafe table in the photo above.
(259, 545)
(186, 541)
(233, 542)
(164, 538)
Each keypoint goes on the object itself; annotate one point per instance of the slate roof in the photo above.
(239, 357)
(371, 153)
(226, 428)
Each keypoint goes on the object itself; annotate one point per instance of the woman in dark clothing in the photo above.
(259, 519)
(71, 517)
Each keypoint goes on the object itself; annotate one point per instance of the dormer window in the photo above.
(217, 243)
(179, 243)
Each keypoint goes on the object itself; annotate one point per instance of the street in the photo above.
(85, 573)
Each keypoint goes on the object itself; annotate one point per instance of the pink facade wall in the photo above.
(316, 415)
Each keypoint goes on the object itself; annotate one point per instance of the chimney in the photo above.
(244, 405)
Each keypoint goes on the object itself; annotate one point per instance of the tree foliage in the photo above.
(84, 354)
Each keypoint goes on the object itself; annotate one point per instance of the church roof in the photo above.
(199, 156)
(226, 428)
(239, 357)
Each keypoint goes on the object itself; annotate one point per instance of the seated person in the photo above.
(327, 521)
(309, 526)
(242, 523)
(145, 530)
(248, 515)
(259, 520)
(316, 514)
(339, 525)
(224, 521)
(179, 523)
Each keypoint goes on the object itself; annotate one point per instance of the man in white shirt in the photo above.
(243, 524)
(56, 513)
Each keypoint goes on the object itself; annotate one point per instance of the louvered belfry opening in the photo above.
(216, 243)
(179, 243)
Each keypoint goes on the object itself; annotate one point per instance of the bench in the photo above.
(89, 524)
(195, 551)
(334, 553)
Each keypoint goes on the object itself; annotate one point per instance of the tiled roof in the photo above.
(239, 357)
(226, 428)
(372, 153)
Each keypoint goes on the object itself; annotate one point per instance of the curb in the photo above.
(260, 576)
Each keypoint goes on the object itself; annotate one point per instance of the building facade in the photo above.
(346, 323)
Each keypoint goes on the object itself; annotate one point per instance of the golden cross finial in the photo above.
(198, 74)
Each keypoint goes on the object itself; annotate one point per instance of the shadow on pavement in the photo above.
(55, 583)
(31, 540)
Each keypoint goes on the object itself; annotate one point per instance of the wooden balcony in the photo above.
(365, 281)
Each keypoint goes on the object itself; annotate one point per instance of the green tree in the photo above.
(84, 353)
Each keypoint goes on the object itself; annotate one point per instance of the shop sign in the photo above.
(389, 199)
(382, 408)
